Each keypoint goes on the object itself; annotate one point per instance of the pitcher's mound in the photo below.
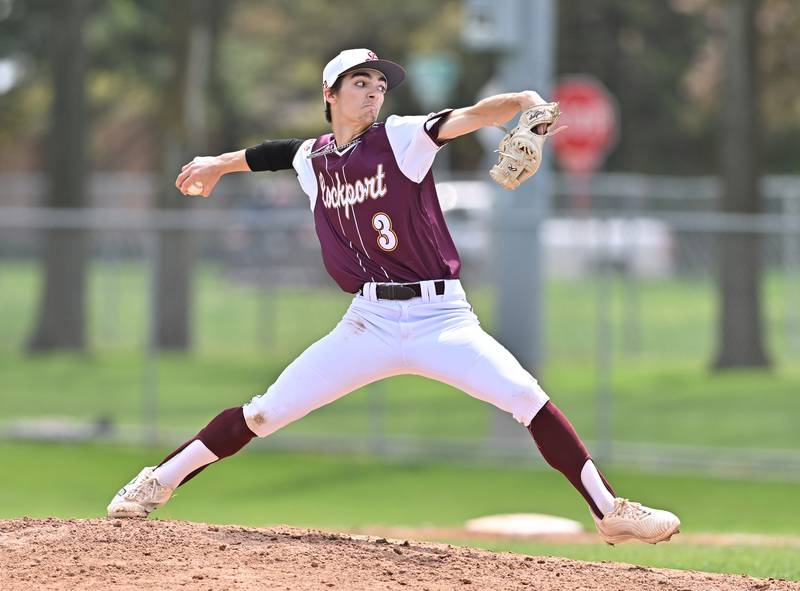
(149, 554)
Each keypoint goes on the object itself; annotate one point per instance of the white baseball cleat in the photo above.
(140, 496)
(632, 521)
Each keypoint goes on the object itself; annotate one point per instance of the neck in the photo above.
(346, 131)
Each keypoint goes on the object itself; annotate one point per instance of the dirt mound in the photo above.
(150, 554)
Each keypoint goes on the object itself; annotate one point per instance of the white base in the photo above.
(523, 524)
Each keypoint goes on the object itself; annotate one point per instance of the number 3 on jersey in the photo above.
(387, 240)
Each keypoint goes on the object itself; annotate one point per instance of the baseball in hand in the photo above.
(196, 188)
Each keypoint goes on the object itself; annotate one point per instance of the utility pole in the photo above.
(524, 30)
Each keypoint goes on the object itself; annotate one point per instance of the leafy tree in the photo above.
(641, 52)
(739, 285)
(61, 319)
(183, 130)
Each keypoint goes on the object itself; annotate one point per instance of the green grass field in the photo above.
(671, 319)
(663, 403)
(244, 336)
(338, 493)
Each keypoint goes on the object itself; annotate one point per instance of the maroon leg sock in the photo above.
(561, 447)
(226, 434)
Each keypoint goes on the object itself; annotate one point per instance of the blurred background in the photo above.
(649, 275)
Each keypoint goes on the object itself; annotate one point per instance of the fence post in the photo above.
(377, 418)
(632, 325)
(109, 271)
(267, 312)
(791, 262)
(604, 353)
(150, 387)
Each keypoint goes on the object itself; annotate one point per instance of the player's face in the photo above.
(361, 96)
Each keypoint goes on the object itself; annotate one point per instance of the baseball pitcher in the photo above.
(384, 239)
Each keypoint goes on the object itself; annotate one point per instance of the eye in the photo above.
(382, 89)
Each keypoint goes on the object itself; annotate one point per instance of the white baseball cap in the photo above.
(350, 59)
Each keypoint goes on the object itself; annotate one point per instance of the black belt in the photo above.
(402, 291)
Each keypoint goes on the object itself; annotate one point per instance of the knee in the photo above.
(263, 418)
(528, 401)
(256, 422)
(260, 420)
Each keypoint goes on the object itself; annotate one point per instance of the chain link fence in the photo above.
(631, 320)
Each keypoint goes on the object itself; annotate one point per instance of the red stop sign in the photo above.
(590, 114)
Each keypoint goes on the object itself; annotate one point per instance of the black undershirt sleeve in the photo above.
(433, 124)
(272, 154)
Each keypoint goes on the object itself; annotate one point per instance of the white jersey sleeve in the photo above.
(305, 171)
(413, 144)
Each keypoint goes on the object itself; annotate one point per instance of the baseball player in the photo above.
(384, 239)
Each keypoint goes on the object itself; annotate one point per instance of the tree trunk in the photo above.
(62, 314)
(740, 323)
(184, 121)
(228, 123)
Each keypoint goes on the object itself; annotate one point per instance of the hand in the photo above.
(206, 170)
(529, 98)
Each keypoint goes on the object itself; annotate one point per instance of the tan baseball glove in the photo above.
(521, 148)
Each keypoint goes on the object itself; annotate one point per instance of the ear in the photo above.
(328, 94)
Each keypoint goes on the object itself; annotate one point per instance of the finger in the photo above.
(189, 181)
(181, 178)
(185, 187)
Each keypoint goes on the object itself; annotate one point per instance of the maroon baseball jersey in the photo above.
(375, 206)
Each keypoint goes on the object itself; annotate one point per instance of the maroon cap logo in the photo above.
(371, 56)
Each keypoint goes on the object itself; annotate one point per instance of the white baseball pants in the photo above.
(436, 336)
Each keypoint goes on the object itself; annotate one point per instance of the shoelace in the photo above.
(630, 510)
(150, 490)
